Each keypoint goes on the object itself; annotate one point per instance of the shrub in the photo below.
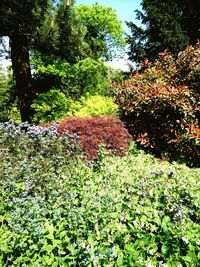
(4, 98)
(188, 65)
(54, 105)
(87, 76)
(96, 105)
(24, 141)
(96, 131)
(136, 212)
(8, 100)
(159, 110)
(51, 106)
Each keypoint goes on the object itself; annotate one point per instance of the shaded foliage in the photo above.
(167, 24)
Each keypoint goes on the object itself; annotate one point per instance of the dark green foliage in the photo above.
(61, 35)
(21, 16)
(19, 20)
(167, 25)
(75, 33)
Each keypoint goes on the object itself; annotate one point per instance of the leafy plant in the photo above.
(188, 64)
(159, 109)
(87, 76)
(96, 105)
(96, 131)
(51, 106)
(57, 210)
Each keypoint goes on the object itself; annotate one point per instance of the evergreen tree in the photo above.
(73, 33)
(61, 35)
(168, 25)
(18, 20)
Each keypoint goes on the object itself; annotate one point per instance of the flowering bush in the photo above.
(95, 131)
(25, 140)
(159, 109)
(136, 211)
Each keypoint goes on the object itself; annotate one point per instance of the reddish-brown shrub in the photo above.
(159, 109)
(95, 131)
(188, 65)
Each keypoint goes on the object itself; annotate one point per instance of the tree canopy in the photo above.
(73, 33)
(167, 24)
(52, 31)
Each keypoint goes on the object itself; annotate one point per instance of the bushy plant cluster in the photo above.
(133, 211)
(51, 106)
(161, 112)
(94, 105)
(4, 97)
(87, 76)
(188, 64)
(25, 141)
(8, 99)
(54, 105)
(95, 131)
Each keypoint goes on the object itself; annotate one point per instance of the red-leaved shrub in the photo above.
(95, 131)
(159, 109)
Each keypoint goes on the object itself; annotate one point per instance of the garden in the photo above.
(82, 190)
(98, 167)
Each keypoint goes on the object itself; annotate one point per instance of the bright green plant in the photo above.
(96, 105)
(87, 76)
(4, 97)
(51, 106)
(8, 100)
(104, 32)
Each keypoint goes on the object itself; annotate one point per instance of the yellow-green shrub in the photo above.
(51, 106)
(96, 105)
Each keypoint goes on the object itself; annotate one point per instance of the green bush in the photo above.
(4, 98)
(59, 211)
(8, 99)
(96, 105)
(51, 106)
(87, 76)
(54, 105)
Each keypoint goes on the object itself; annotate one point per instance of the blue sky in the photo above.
(124, 8)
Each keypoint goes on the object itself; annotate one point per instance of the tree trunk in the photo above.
(22, 74)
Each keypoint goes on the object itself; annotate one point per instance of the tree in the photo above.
(168, 25)
(61, 35)
(104, 31)
(18, 20)
(74, 33)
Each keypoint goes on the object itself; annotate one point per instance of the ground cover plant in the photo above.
(63, 211)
